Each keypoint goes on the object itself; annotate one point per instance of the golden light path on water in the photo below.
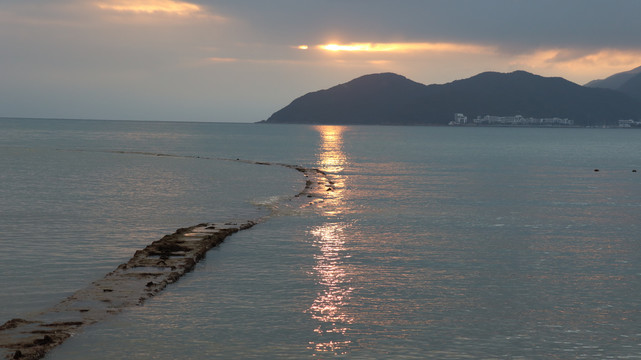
(331, 157)
(329, 238)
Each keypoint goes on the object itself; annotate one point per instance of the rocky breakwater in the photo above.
(148, 272)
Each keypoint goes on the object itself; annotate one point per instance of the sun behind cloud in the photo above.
(405, 47)
(150, 6)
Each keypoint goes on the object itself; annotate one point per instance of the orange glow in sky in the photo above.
(603, 57)
(578, 64)
(223, 59)
(404, 47)
(150, 6)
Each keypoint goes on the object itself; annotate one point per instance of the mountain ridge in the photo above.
(632, 86)
(627, 82)
(392, 99)
(615, 81)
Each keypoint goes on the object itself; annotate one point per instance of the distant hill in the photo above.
(628, 82)
(632, 87)
(615, 81)
(378, 98)
(393, 99)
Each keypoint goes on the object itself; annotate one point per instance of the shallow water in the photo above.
(436, 243)
(68, 217)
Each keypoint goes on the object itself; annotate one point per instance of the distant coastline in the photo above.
(520, 121)
(516, 120)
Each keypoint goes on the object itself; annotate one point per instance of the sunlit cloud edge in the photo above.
(150, 7)
(578, 62)
(406, 47)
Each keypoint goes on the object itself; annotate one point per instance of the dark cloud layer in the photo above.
(508, 23)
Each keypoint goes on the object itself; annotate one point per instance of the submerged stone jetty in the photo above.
(147, 273)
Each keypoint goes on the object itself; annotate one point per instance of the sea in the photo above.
(436, 243)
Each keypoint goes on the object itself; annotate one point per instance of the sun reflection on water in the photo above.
(328, 309)
(332, 159)
(331, 156)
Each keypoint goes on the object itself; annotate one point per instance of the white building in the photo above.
(459, 119)
(629, 123)
(520, 120)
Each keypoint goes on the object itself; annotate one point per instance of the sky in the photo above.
(242, 60)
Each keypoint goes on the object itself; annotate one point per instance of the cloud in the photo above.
(156, 10)
(579, 63)
(150, 6)
(406, 47)
(508, 23)
(223, 59)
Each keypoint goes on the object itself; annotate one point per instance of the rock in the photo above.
(44, 341)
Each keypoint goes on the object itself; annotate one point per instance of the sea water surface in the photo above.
(441, 243)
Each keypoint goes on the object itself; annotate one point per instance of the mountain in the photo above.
(378, 96)
(615, 81)
(627, 82)
(632, 87)
(393, 99)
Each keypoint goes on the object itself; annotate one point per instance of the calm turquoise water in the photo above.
(441, 243)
